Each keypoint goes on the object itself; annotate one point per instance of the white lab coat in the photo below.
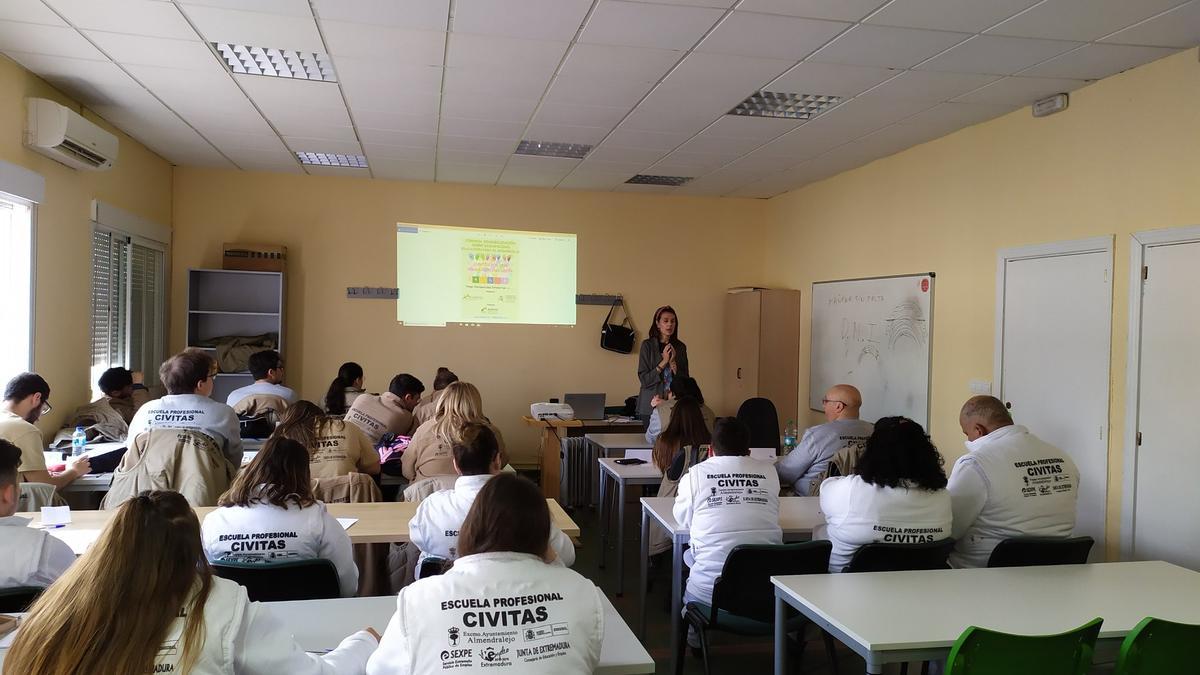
(434, 528)
(859, 513)
(494, 613)
(192, 411)
(1010, 484)
(247, 638)
(268, 533)
(29, 556)
(725, 501)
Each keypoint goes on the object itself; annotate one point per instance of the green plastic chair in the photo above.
(979, 651)
(1157, 647)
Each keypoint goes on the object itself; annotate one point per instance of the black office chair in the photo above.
(897, 557)
(18, 598)
(1030, 551)
(744, 598)
(433, 566)
(314, 579)
(760, 416)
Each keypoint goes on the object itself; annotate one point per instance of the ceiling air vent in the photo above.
(551, 149)
(778, 104)
(646, 179)
(289, 63)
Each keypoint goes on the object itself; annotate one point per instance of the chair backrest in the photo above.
(985, 652)
(33, 496)
(186, 461)
(417, 491)
(759, 415)
(744, 587)
(352, 488)
(1156, 647)
(255, 405)
(18, 598)
(1029, 551)
(314, 579)
(895, 557)
(433, 566)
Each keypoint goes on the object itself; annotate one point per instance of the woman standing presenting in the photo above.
(663, 357)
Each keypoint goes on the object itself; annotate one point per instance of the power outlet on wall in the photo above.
(980, 388)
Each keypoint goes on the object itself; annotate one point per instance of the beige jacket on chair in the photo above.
(186, 461)
(258, 404)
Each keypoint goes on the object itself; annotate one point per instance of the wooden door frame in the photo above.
(1139, 244)
(1103, 244)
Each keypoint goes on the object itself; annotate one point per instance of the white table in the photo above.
(798, 516)
(890, 617)
(609, 443)
(622, 475)
(319, 625)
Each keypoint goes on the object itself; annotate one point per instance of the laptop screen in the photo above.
(586, 406)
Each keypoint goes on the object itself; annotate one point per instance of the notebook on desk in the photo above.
(586, 406)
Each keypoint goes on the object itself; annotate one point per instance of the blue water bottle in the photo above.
(78, 442)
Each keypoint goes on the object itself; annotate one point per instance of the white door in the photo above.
(1055, 358)
(1167, 502)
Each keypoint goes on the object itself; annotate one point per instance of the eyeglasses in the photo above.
(827, 401)
(46, 408)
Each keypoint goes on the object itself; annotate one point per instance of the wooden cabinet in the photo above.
(762, 349)
(224, 303)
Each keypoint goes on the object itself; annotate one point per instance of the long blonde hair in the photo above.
(459, 405)
(111, 611)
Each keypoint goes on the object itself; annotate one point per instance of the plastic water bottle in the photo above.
(78, 442)
(789, 436)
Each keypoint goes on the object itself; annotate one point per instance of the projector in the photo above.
(551, 411)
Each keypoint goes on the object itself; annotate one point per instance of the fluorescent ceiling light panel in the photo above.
(549, 149)
(298, 65)
(779, 104)
(331, 159)
(646, 179)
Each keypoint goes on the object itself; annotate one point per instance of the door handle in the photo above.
(739, 373)
(1008, 404)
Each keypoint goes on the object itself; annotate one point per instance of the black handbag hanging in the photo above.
(617, 337)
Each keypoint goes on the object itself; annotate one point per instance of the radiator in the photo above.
(579, 473)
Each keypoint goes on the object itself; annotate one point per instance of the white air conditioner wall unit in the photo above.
(65, 136)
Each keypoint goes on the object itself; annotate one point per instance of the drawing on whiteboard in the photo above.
(906, 321)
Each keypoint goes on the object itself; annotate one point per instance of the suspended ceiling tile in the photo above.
(46, 40)
(455, 126)
(286, 7)
(476, 144)
(453, 172)
(839, 10)
(930, 85)
(886, 47)
(233, 143)
(325, 145)
(155, 51)
(376, 151)
(383, 46)
(29, 11)
(1020, 91)
(964, 16)
(949, 117)
(830, 79)
(411, 14)
(381, 119)
(558, 133)
(590, 180)
(401, 170)
(997, 55)
(803, 143)
(1179, 27)
(475, 158)
(134, 17)
(769, 36)
(585, 115)
(626, 137)
(755, 128)
(256, 29)
(403, 138)
(1081, 20)
(533, 19)
(1097, 61)
(634, 24)
(473, 106)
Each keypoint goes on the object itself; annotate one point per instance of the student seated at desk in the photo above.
(335, 447)
(26, 399)
(391, 411)
(143, 599)
(28, 556)
(499, 590)
(898, 495)
(267, 392)
(189, 377)
(680, 387)
(428, 454)
(726, 500)
(273, 494)
(676, 450)
(124, 392)
(346, 387)
(428, 406)
(435, 527)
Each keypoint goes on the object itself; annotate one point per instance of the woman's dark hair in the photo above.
(686, 428)
(684, 387)
(509, 514)
(731, 436)
(335, 398)
(444, 378)
(300, 423)
(476, 451)
(900, 454)
(654, 324)
(279, 474)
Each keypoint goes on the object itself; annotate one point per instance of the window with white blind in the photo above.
(128, 303)
(16, 286)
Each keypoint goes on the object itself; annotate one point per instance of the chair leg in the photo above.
(830, 651)
(924, 668)
(681, 652)
(704, 648)
(904, 668)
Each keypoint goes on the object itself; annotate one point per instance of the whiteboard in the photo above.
(875, 334)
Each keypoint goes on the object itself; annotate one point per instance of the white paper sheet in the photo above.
(78, 539)
(347, 522)
(56, 515)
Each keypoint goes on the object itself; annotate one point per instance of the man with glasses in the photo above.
(818, 445)
(26, 399)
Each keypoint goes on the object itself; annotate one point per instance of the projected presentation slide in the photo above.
(472, 275)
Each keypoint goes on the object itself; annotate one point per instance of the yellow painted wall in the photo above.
(341, 232)
(140, 183)
(1121, 159)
